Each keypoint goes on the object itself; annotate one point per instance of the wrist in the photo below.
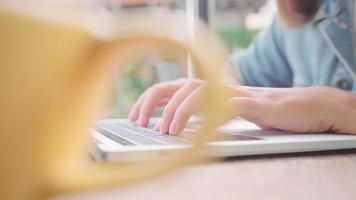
(347, 114)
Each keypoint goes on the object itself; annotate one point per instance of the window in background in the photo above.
(236, 21)
(136, 77)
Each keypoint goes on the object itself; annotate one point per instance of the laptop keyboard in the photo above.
(129, 134)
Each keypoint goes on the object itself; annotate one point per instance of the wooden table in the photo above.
(302, 176)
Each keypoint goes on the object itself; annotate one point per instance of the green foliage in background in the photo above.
(137, 77)
(134, 79)
(236, 37)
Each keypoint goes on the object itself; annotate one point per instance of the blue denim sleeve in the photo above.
(264, 63)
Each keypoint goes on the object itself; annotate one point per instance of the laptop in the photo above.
(122, 140)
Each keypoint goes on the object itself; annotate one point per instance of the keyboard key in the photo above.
(130, 135)
(140, 135)
(165, 138)
(114, 137)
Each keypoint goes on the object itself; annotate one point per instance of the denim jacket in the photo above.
(318, 53)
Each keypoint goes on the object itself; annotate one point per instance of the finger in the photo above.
(154, 97)
(134, 113)
(190, 106)
(135, 110)
(157, 126)
(164, 102)
(177, 99)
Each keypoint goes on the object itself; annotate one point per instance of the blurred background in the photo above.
(235, 21)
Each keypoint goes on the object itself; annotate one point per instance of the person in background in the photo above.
(299, 75)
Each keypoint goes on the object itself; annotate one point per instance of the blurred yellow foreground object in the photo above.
(56, 67)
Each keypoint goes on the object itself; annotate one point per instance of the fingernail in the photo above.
(164, 128)
(132, 117)
(143, 121)
(157, 127)
(172, 129)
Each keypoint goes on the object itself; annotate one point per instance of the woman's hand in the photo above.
(311, 109)
(303, 110)
(158, 95)
(174, 96)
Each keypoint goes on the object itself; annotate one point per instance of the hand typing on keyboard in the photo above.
(181, 99)
(301, 110)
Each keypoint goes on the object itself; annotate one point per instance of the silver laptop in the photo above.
(122, 140)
